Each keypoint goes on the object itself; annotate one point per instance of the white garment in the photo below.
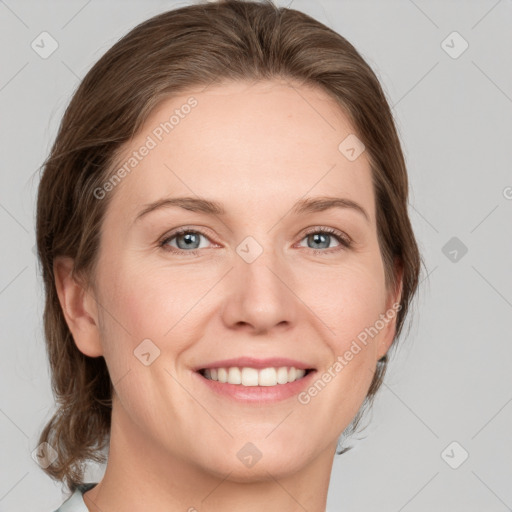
(75, 503)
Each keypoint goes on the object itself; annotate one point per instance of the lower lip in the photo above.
(259, 394)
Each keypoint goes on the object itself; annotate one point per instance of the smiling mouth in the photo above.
(246, 376)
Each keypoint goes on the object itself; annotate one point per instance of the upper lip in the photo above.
(252, 362)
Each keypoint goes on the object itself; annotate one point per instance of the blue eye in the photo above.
(321, 236)
(188, 241)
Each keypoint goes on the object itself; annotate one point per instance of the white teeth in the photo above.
(254, 377)
(222, 375)
(282, 375)
(249, 377)
(267, 377)
(234, 376)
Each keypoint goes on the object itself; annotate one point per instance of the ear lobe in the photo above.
(79, 308)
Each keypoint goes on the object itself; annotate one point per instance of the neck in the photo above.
(142, 476)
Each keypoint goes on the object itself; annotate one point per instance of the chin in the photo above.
(246, 463)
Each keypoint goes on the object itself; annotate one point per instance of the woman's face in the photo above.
(266, 278)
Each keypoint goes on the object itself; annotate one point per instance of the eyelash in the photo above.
(344, 240)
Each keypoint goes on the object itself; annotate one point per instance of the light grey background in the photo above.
(451, 380)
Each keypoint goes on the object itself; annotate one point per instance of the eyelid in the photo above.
(178, 231)
(345, 241)
(332, 231)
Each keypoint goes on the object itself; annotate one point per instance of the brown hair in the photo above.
(189, 46)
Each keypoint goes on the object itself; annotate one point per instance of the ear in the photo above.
(391, 313)
(79, 307)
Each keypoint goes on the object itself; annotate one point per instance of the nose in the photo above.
(260, 296)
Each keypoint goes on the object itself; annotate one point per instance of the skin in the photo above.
(257, 148)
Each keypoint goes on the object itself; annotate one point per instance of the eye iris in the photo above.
(190, 238)
(317, 236)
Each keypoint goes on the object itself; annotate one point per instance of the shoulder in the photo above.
(75, 503)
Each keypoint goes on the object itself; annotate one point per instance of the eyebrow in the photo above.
(303, 206)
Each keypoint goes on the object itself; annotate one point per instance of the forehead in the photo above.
(243, 144)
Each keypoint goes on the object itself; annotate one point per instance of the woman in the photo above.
(223, 232)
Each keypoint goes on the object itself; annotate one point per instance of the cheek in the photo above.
(157, 304)
(349, 300)
(359, 298)
(151, 301)
(139, 316)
